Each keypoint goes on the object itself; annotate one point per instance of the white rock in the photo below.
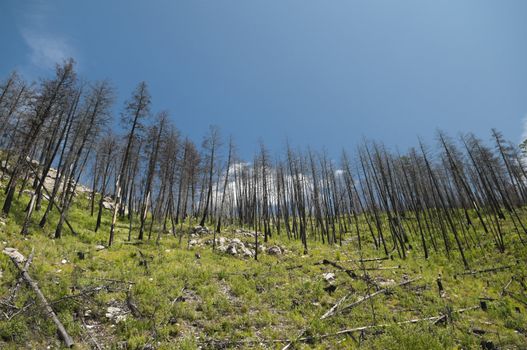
(64, 261)
(329, 276)
(14, 254)
(115, 314)
(247, 252)
(99, 247)
(387, 283)
(231, 249)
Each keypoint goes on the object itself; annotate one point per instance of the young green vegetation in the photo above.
(180, 301)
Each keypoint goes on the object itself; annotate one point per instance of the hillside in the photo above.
(179, 294)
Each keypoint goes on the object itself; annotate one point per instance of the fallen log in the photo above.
(369, 296)
(17, 258)
(333, 310)
(504, 289)
(350, 272)
(289, 342)
(14, 292)
(436, 319)
(366, 259)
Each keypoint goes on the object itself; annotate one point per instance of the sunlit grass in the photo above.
(240, 300)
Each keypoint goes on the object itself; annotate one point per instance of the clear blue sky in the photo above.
(323, 73)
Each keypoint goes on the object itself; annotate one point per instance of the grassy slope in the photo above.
(230, 301)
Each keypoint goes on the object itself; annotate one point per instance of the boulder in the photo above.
(274, 250)
(246, 252)
(329, 276)
(115, 314)
(200, 230)
(15, 255)
(231, 249)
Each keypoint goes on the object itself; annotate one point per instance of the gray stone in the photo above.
(231, 249)
(246, 252)
(200, 230)
(329, 276)
(115, 314)
(15, 255)
(274, 250)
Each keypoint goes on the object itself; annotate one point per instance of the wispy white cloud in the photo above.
(45, 49)
(46, 46)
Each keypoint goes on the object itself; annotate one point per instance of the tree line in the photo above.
(451, 198)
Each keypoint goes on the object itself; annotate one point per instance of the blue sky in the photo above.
(319, 73)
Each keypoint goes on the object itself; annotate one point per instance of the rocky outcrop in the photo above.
(236, 247)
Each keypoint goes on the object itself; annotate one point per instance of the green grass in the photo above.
(242, 303)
